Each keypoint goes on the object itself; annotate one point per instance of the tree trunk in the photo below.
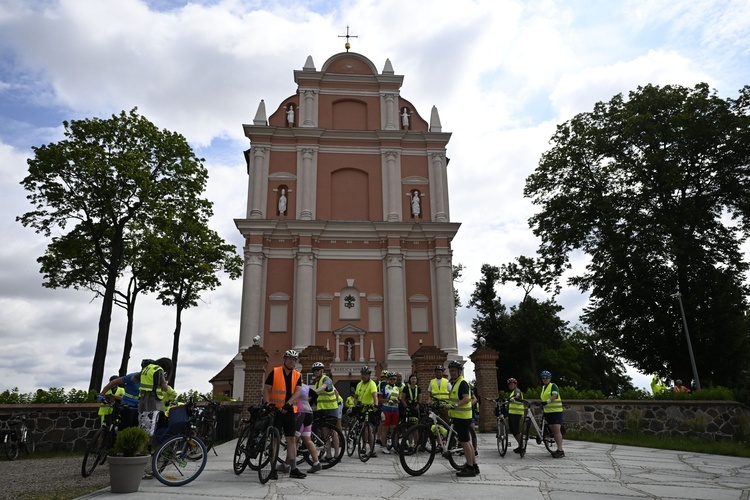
(176, 343)
(102, 338)
(128, 345)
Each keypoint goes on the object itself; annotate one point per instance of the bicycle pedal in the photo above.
(538, 440)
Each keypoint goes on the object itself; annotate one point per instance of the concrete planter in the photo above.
(125, 473)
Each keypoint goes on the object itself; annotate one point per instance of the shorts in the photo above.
(462, 426)
(514, 424)
(390, 418)
(328, 415)
(147, 420)
(554, 418)
(285, 422)
(303, 423)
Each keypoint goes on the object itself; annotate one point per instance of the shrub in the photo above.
(130, 442)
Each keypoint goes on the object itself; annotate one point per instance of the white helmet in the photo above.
(318, 366)
(291, 353)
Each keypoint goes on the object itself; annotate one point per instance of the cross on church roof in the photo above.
(347, 45)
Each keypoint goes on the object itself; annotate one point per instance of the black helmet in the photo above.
(440, 367)
(365, 369)
(455, 364)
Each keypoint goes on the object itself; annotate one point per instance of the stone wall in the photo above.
(69, 427)
(710, 420)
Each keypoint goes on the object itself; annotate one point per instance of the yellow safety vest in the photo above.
(326, 399)
(554, 406)
(439, 392)
(147, 380)
(460, 411)
(516, 408)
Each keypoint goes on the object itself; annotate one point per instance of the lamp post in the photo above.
(689, 344)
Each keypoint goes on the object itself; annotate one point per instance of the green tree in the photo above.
(189, 255)
(491, 313)
(458, 271)
(655, 190)
(103, 178)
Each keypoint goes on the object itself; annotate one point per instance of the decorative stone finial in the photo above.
(388, 68)
(260, 115)
(309, 64)
(435, 121)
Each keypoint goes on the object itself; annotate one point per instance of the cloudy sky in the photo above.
(502, 73)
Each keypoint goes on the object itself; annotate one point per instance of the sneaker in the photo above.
(147, 475)
(373, 454)
(558, 454)
(315, 468)
(517, 450)
(297, 474)
(466, 472)
(476, 469)
(282, 468)
(385, 451)
(326, 459)
(273, 475)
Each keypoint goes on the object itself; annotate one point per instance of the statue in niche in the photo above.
(282, 202)
(416, 210)
(349, 349)
(290, 116)
(405, 118)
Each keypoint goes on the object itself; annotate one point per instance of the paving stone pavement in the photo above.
(589, 471)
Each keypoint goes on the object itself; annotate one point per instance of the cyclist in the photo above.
(390, 397)
(303, 424)
(460, 413)
(439, 387)
(281, 389)
(130, 397)
(515, 412)
(410, 394)
(114, 392)
(553, 411)
(366, 393)
(153, 387)
(327, 401)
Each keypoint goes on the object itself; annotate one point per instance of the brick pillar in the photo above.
(424, 360)
(255, 359)
(485, 370)
(312, 354)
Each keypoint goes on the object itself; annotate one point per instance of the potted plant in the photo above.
(128, 459)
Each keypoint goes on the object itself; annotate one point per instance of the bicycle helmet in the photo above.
(365, 369)
(291, 353)
(317, 366)
(384, 374)
(512, 381)
(455, 364)
(545, 373)
(440, 367)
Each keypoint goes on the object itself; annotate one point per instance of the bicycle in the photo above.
(103, 439)
(543, 434)
(325, 434)
(258, 444)
(501, 434)
(421, 443)
(15, 435)
(182, 456)
(367, 433)
(412, 415)
(205, 422)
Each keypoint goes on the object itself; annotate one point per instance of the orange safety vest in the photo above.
(277, 394)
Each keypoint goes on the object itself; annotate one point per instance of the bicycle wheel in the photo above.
(397, 434)
(455, 451)
(11, 445)
(96, 451)
(416, 451)
(502, 437)
(179, 460)
(547, 439)
(240, 461)
(366, 442)
(268, 455)
(525, 435)
(28, 442)
(352, 438)
(329, 441)
(207, 433)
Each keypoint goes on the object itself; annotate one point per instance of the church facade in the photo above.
(347, 231)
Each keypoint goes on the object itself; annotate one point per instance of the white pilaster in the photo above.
(444, 302)
(259, 177)
(438, 183)
(392, 185)
(307, 183)
(396, 305)
(304, 299)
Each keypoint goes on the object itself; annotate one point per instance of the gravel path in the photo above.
(48, 478)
